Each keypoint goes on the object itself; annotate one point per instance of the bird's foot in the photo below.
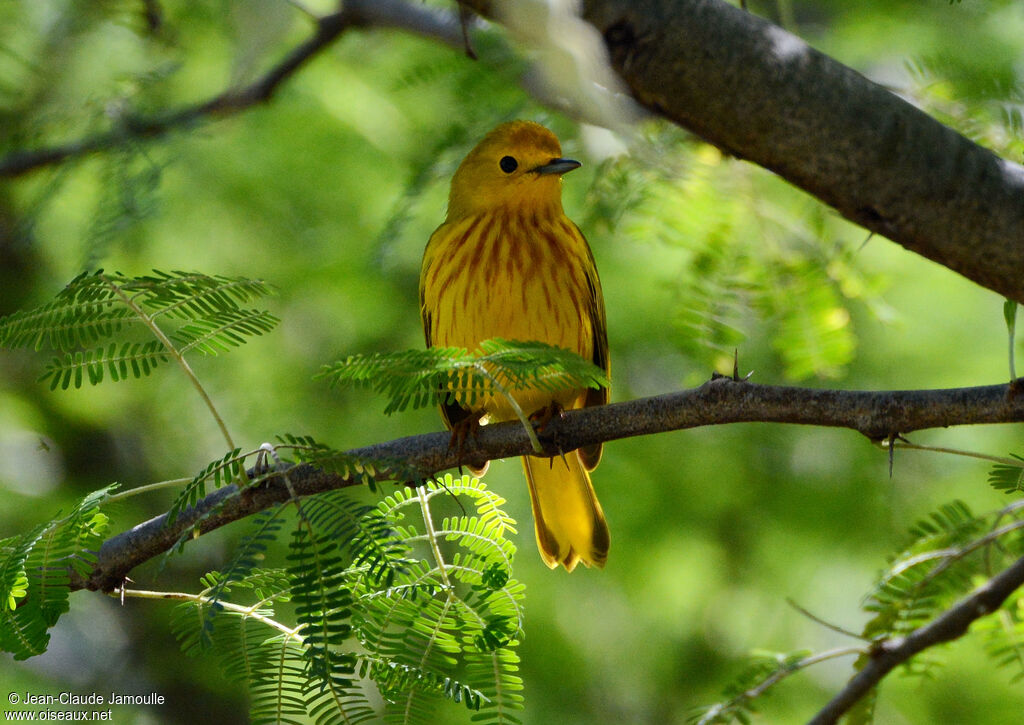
(468, 427)
(543, 417)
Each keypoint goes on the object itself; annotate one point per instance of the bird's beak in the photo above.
(558, 166)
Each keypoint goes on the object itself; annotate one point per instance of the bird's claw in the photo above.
(461, 431)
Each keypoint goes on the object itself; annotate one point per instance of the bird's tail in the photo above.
(567, 516)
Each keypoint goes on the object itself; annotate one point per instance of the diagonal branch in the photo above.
(753, 90)
(354, 13)
(764, 95)
(877, 415)
(951, 625)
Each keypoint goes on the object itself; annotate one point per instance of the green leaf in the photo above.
(1007, 478)
(368, 472)
(129, 360)
(250, 646)
(221, 331)
(462, 614)
(371, 603)
(230, 468)
(949, 552)
(199, 312)
(419, 378)
(323, 604)
(35, 570)
(247, 558)
(1010, 315)
(762, 668)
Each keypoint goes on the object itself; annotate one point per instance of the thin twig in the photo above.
(131, 127)
(425, 21)
(950, 625)
(513, 403)
(827, 625)
(176, 354)
(714, 713)
(251, 611)
(952, 555)
(148, 488)
(779, 675)
(904, 443)
(431, 535)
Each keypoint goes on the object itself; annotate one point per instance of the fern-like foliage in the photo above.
(250, 645)
(419, 378)
(949, 553)
(763, 670)
(323, 599)
(1004, 635)
(35, 570)
(456, 613)
(230, 468)
(735, 276)
(88, 321)
(246, 561)
(364, 535)
(936, 568)
(1006, 477)
(364, 471)
(422, 606)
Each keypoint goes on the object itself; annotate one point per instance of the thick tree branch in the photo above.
(764, 95)
(355, 13)
(878, 415)
(951, 625)
(755, 91)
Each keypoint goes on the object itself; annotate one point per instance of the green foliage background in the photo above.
(330, 192)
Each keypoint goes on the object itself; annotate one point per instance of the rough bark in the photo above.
(762, 94)
(878, 415)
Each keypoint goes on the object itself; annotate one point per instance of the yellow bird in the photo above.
(507, 262)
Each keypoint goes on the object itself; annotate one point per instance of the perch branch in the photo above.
(877, 415)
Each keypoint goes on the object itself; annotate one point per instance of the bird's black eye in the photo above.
(508, 164)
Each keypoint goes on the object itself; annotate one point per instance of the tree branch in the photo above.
(355, 13)
(951, 625)
(877, 415)
(762, 94)
(755, 91)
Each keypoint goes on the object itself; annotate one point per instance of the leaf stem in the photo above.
(530, 432)
(428, 525)
(148, 488)
(903, 443)
(173, 351)
(806, 662)
(251, 611)
(716, 712)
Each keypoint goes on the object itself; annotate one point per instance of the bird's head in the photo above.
(518, 166)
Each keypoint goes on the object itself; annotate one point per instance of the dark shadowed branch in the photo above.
(750, 88)
(130, 127)
(951, 625)
(764, 95)
(877, 415)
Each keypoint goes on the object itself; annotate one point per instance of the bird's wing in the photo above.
(591, 455)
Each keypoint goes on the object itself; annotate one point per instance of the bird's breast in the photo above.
(514, 276)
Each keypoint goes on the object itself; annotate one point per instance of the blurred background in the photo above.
(330, 193)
